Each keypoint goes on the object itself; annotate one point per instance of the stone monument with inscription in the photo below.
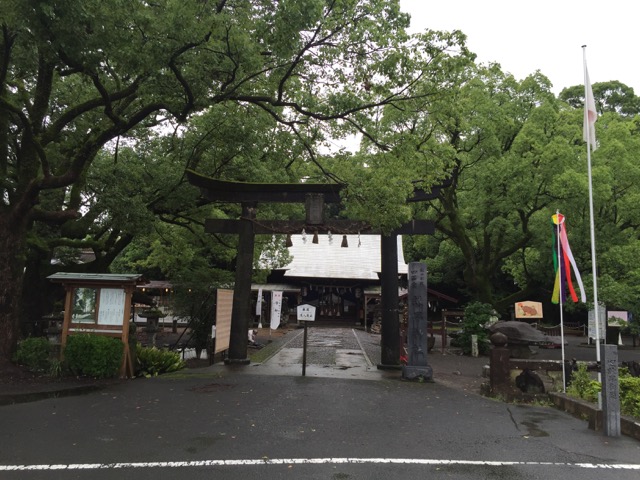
(417, 366)
(610, 391)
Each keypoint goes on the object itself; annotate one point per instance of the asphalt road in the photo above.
(209, 424)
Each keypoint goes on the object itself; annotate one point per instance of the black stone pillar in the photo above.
(390, 332)
(417, 366)
(241, 312)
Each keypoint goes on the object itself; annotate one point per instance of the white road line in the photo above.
(307, 461)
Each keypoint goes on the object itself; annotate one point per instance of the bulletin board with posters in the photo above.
(99, 304)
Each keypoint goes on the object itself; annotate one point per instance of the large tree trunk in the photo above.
(478, 281)
(12, 245)
(38, 293)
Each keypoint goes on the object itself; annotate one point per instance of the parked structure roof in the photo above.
(70, 277)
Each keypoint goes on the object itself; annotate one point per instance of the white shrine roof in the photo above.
(360, 260)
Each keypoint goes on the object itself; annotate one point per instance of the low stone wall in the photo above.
(550, 371)
(503, 378)
(504, 370)
(590, 412)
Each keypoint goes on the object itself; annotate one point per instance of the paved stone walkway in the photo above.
(331, 352)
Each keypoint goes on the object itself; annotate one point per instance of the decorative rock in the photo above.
(529, 382)
(519, 332)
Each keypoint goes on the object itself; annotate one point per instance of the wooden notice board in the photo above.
(99, 304)
(224, 306)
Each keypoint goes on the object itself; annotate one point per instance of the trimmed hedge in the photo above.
(33, 353)
(93, 355)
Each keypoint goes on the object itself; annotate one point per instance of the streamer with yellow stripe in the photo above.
(563, 263)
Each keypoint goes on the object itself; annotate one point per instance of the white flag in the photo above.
(590, 114)
(276, 307)
(259, 303)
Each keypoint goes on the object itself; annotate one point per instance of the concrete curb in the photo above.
(14, 398)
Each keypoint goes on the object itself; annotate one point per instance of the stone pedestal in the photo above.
(500, 373)
(410, 372)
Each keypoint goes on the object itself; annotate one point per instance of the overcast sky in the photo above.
(544, 35)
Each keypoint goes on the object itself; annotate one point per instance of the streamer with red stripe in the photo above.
(563, 263)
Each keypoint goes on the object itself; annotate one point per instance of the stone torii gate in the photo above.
(314, 196)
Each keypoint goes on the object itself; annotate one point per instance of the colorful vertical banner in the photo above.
(563, 262)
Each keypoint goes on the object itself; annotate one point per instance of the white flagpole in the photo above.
(592, 228)
(564, 373)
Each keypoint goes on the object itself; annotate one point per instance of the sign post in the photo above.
(305, 313)
(597, 331)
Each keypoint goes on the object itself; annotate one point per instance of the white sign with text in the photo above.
(306, 313)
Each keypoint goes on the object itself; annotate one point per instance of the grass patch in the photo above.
(262, 354)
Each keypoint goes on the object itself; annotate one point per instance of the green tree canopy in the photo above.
(81, 78)
(612, 96)
(520, 161)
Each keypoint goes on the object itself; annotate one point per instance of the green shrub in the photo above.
(93, 355)
(583, 386)
(476, 316)
(34, 353)
(629, 394)
(153, 361)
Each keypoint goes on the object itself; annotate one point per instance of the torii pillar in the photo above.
(241, 313)
(390, 333)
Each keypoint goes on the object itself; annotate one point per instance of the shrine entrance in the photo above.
(314, 197)
(336, 304)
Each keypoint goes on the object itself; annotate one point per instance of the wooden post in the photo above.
(128, 369)
(68, 308)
